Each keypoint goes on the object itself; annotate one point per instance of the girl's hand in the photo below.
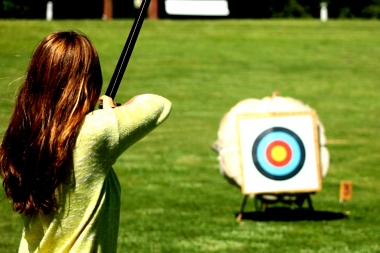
(107, 102)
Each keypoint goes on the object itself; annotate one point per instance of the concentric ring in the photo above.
(278, 153)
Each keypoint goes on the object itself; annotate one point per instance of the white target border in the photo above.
(304, 124)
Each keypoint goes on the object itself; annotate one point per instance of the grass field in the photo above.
(173, 197)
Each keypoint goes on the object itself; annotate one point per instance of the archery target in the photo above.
(279, 153)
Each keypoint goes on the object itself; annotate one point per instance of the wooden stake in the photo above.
(107, 9)
(153, 10)
(345, 194)
(345, 190)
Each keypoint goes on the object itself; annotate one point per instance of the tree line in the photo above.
(65, 9)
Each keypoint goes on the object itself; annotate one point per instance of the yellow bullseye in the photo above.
(279, 153)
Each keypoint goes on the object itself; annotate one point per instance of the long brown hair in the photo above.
(62, 84)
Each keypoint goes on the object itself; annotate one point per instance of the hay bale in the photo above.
(227, 144)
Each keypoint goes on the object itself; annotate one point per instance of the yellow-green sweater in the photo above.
(87, 219)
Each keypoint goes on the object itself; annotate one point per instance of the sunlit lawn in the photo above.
(173, 197)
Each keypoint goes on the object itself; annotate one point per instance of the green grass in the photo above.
(173, 197)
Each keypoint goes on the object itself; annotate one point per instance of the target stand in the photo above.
(262, 201)
(279, 157)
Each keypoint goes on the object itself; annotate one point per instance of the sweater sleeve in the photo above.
(107, 133)
(140, 117)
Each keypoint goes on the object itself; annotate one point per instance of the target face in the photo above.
(278, 153)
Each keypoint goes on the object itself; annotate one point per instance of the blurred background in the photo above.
(205, 58)
(75, 9)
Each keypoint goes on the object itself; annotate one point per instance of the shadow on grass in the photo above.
(288, 214)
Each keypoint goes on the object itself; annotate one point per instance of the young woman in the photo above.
(57, 152)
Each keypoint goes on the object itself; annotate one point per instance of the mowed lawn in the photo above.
(173, 197)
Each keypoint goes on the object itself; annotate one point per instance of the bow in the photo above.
(127, 51)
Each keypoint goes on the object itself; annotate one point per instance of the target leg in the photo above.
(258, 204)
(264, 206)
(311, 208)
(300, 199)
(240, 215)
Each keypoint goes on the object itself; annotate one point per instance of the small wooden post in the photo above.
(324, 14)
(345, 194)
(49, 11)
(153, 9)
(107, 9)
(345, 190)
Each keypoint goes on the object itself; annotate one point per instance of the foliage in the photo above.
(173, 197)
(13, 8)
(303, 8)
(63, 9)
(372, 11)
(75, 9)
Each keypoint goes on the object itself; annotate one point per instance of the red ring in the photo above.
(288, 152)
